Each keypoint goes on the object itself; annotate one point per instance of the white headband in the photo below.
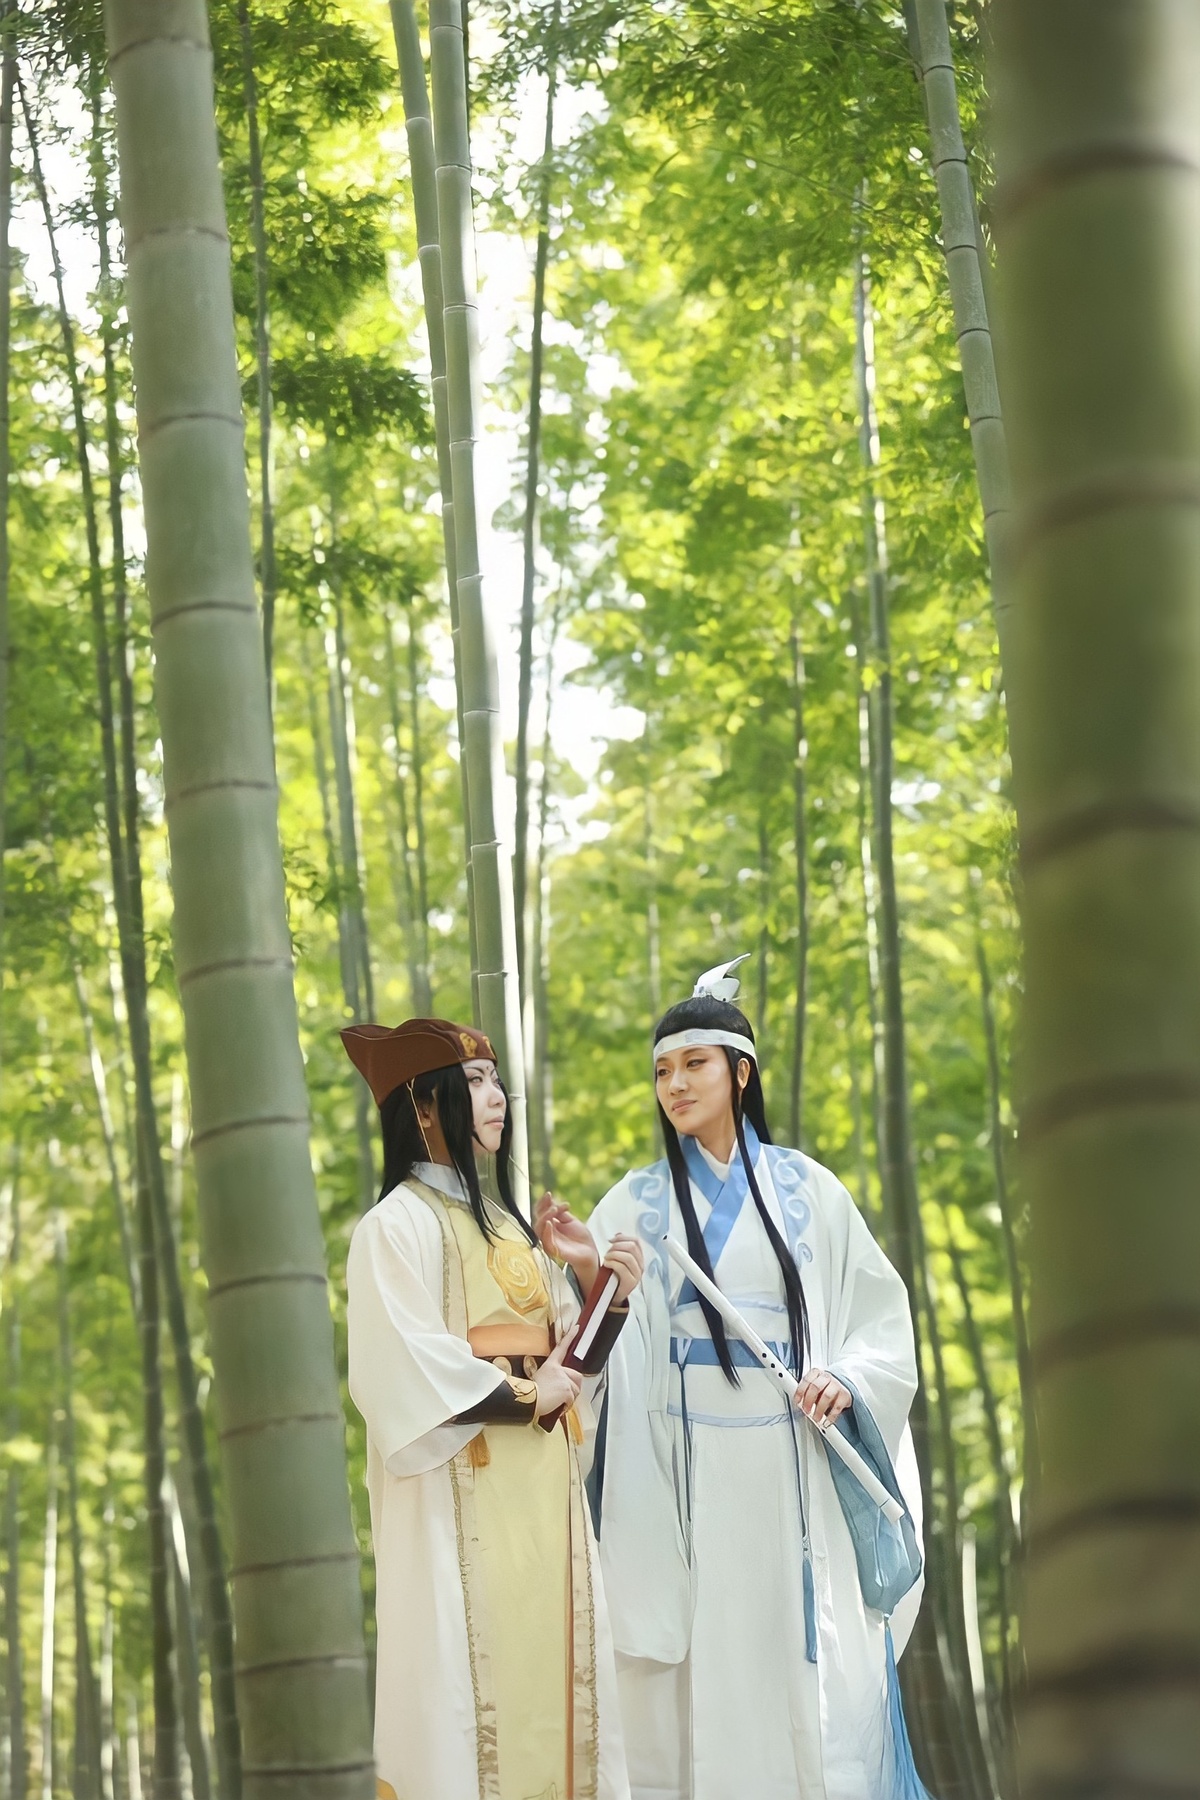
(682, 1040)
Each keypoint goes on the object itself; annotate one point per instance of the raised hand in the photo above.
(626, 1256)
(567, 1239)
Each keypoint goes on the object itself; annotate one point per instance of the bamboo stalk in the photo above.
(532, 473)
(14, 1662)
(800, 859)
(418, 126)
(542, 1090)
(262, 341)
(417, 764)
(188, 1648)
(1002, 1505)
(929, 39)
(107, 1132)
(296, 1562)
(403, 879)
(8, 70)
(483, 747)
(938, 1678)
(1012, 1254)
(86, 1773)
(1098, 158)
(49, 1600)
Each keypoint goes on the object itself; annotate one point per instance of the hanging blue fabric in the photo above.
(900, 1780)
(725, 1197)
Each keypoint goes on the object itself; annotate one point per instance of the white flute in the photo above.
(832, 1439)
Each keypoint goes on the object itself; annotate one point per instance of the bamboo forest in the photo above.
(506, 505)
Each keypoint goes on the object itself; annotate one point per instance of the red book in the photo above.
(595, 1311)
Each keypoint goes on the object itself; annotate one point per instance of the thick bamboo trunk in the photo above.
(1098, 210)
(483, 747)
(120, 830)
(262, 340)
(533, 449)
(122, 825)
(302, 1695)
(929, 39)
(418, 126)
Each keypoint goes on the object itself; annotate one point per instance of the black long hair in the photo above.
(705, 1014)
(404, 1142)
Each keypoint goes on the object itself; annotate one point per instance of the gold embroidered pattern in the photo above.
(513, 1267)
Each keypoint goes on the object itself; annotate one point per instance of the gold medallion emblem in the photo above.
(514, 1269)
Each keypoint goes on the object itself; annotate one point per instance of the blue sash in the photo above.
(725, 1197)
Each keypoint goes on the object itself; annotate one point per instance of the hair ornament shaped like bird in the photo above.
(719, 983)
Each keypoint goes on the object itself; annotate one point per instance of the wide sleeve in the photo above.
(410, 1378)
(871, 1345)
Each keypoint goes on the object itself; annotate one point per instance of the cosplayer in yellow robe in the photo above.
(495, 1670)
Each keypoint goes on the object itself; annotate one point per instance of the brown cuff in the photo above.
(606, 1337)
(513, 1402)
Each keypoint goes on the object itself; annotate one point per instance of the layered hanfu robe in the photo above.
(749, 1625)
(495, 1676)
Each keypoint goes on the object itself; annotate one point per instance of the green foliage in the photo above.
(700, 517)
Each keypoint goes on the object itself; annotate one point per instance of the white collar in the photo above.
(442, 1176)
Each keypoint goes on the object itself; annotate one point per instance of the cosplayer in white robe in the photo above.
(437, 1728)
(735, 1683)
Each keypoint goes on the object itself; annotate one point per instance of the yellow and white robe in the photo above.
(495, 1672)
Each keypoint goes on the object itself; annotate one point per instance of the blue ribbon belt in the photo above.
(701, 1353)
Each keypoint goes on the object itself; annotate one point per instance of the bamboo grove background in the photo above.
(750, 512)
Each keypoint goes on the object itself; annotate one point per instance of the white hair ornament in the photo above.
(718, 983)
(714, 984)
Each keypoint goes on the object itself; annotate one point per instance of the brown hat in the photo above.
(388, 1058)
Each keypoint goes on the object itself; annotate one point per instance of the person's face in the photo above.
(488, 1104)
(694, 1089)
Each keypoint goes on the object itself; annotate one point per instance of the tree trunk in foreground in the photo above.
(1099, 218)
(483, 748)
(302, 1693)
